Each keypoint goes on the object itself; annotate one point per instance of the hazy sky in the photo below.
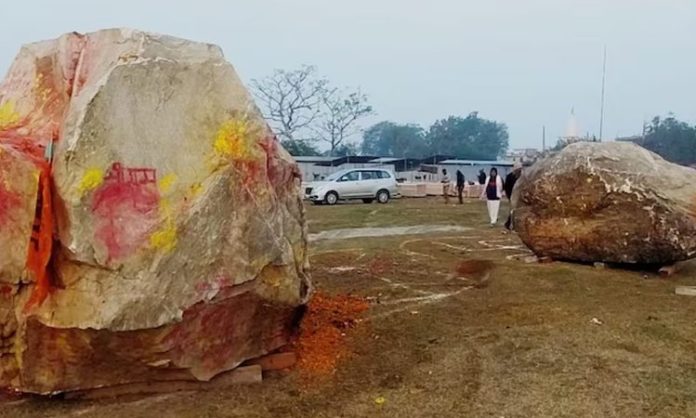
(522, 62)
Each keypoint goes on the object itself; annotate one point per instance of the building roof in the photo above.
(402, 164)
(385, 160)
(477, 162)
(358, 159)
(434, 159)
(526, 151)
(313, 159)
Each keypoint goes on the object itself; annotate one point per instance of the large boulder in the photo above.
(611, 202)
(176, 241)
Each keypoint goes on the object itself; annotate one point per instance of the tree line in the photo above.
(672, 139)
(305, 110)
(470, 137)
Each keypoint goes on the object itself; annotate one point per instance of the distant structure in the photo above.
(572, 133)
(543, 139)
(524, 156)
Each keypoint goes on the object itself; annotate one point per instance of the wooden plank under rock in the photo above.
(685, 290)
(238, 376)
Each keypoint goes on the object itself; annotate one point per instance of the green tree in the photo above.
(470, 137)
(389, 139)
(674, 140)
(298, 147)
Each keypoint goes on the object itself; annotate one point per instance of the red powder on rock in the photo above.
(126, 210)
(41, 245)
(321, 342)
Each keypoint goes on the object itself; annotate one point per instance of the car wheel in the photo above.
(368, 201)
(331, 198)
(383, 196)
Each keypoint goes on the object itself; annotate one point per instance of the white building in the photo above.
(317, 168)
(406, 169)
(524, 156)
(309, 168)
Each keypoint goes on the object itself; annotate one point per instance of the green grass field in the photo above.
(460, 325)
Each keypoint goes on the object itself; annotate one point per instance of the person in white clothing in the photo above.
(492, 193)
(445, 186)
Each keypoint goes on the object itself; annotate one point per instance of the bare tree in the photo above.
(340, 112)
(291, 100)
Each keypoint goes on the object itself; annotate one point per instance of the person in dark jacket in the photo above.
(460, 186)
(482, 177)
(510, 181)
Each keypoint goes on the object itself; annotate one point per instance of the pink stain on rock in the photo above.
(281, 175)
(44, 84)
(126, 210)
(209, 289)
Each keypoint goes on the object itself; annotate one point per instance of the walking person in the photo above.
(460, 186)
(509, 186)
(445, 186)
(492, 193)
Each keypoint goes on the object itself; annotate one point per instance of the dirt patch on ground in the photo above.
(477, 271)
(474, 268)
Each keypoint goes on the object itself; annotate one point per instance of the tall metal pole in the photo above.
(543, 138)
(601, 113)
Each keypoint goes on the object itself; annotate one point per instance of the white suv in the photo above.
(367, 184)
